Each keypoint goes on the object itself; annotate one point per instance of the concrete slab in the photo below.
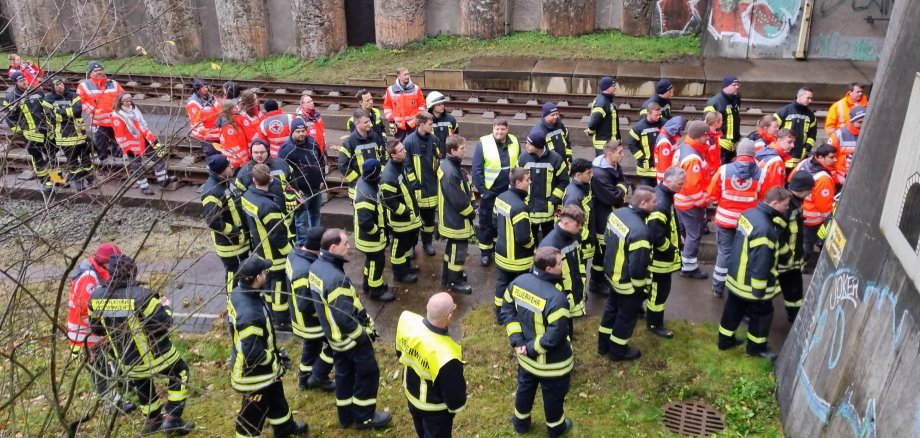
(552, 76)
(588, 73)
(363, 82)
(499, 73)
(715, 69)
(780, 79)
(443, 79)
(689, 79)
(637, 79)
(868, 70)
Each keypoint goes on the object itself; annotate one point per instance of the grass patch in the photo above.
(438, 52)
(606, 399)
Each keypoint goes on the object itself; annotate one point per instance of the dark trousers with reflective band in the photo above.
(502, 279)
(487, 231)
(761, 316)
(661, 289)
(539, 231)
(400, 250)
(791, 284)
(597, 262)
(356, 380)
(266, 403)
(554, 391)
(432, 424)
(135, 166)
(374, 263)
(278, 296)
(104, 142)
(316, 358)
(148, 400)
(619, 321)
(454, 258)
(41, 154)
(231, 265)
(694, 221)
(79, 160)
(724, 239)
(428, 215)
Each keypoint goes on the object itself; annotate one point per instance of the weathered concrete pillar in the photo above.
(319, 27)
(174, 21)
(637, 17)
(243, 29)
(482, 18)
(568, 17)
(35, 24)
(97, 30)
(399, 24)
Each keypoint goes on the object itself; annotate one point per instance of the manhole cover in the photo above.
(693, 419)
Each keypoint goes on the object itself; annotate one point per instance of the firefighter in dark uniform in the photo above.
(137, 321)
(424, 151)
(366, 102)
(432, 367)
(548, 178)
(282, 176)
(25, 116)
(642, 139)
(801, 120)
(515, 244)
(256, 368)
(604, 124)
(493, 158)
(445, 125)
(220, 201)
(371, 231)
(626, 266)
(455, 215)
(349, 330)
(664, 91)
(727, 103)
(752, 274)
(792, 254)
(363, 143)
(398, 190)
(64, 115)
(608, 189)
(579, 193)
(663, 235)
(554, 132)
(269, 236)
(535, 312)
(316, 356)
(565, 237)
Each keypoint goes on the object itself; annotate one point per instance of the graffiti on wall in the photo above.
(857, 48)
(876, 8)
(761, 22)
(678, 16)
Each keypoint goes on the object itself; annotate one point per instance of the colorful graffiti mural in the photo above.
(761, 22)
(677, 16)
(868, 7)
(834, 45)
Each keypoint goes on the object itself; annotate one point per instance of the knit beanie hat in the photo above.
(92, 66)
(606, 82)
(801, 181)
(857, 113)
(663, 86)
(746, 147)
(549, 108)
(314, 237)
(371, 169)
(217, 163)
(298, 123)
(105, 252)
(728, 80)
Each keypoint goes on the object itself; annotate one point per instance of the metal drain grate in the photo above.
(693, 419)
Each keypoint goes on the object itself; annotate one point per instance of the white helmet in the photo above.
(435, 98)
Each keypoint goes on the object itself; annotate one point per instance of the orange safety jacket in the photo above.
(234, 142)
(772, 162)
(736, 187)
(664, 153)
(838, 115)
(132, 134)
(714, 154)
(691, 157)
(88, 277)
(819, 204)
(250, 124)
(98, 97)
(316, 127)
(202, 115)
(402, 104)
(844, 139)
(276, 129)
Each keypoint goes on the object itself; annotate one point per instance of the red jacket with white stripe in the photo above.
(86, 279)
(132, 134)
(203, 113)
(401, 104)
(97, 98)
(736, 187)
(819, 204)
(665, 148)
(275, 129)
(691, 156)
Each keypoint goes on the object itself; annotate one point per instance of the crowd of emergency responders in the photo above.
(557, 228)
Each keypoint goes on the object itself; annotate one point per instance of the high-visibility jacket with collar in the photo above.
(802, 121)
(761, 139)
(665, 105)
(98, 98)
(86, 278)
(267, 228)
(535, 312)
(370, 218)
(580, 195)
(398, 188)
(131, 132)
(818, 205)
(344, 320)
(455, 201)
(514, 245)
(424, 152)
(64, 115)
(254, 355)
(137, 326)
(752, 269)
(316, 127)
(573, 267)
(772, 162)
(665, 148)
(25, 113)
(203, 113)
(355, 151)
(838, 115)
(728, 106)
(492, 163)
(234, 142)
(642, 139)
(304, 322)
(377, 123)
(791, 249)
(736, 187)
(224, 216)
(401, 104)
(691, 157)
(713, 154)
(548, 177)
(275, 128)
(608, 188)
(433, 365)
(844, 139)
(445, 126)
(604, 123)
(629, 251)
(557, 137)
(663, 235)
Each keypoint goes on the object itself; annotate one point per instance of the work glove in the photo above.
(284, 359)
(159, 150)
